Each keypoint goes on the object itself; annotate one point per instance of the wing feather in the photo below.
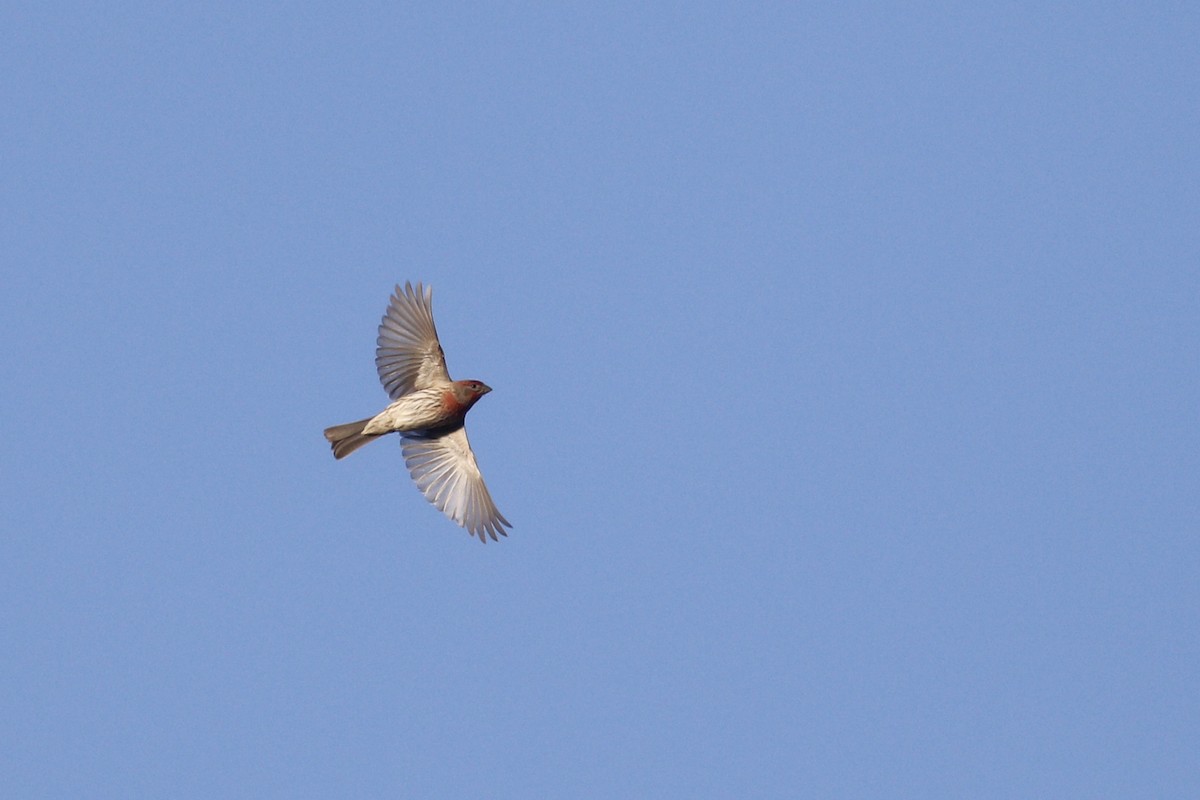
(408, 355)
(445, 470)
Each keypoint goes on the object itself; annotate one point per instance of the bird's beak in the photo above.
(485, 388)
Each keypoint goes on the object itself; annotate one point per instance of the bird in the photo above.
(428, 410)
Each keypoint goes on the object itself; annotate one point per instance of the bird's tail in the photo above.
(349, 437)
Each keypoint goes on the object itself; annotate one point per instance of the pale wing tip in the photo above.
(491, 527)
(421, 291)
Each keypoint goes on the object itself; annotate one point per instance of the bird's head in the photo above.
(468, 392)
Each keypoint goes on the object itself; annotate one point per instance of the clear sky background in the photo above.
(846, 400)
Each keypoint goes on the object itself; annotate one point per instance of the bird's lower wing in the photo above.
(446, 472)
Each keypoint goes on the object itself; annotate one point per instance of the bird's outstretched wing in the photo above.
(446, 472)
(408, 355)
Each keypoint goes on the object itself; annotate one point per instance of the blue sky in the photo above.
(845, 367)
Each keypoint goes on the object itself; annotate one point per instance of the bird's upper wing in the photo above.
(408, 355)
(445, 470)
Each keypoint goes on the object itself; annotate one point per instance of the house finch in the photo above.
(428, 410)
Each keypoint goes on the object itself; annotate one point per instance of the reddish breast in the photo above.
(451, 404)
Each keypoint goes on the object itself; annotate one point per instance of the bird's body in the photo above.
(424, 409)
(428, 410)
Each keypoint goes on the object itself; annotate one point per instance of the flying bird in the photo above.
(428, 410)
